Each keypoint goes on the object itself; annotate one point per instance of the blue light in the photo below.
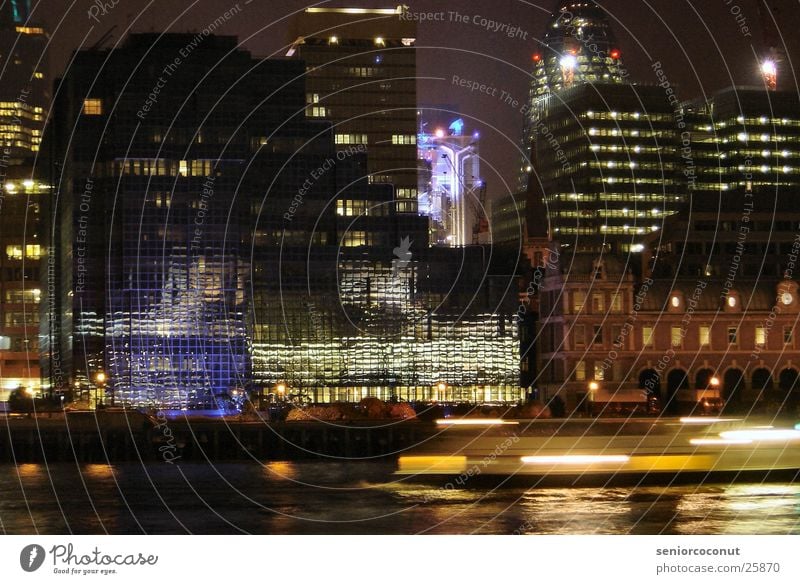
(457, 127)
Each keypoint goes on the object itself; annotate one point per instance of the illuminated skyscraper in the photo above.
(743, 139)
(606, 165)
(579, 47)
(24, 94)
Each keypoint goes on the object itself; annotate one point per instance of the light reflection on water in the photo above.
(311, 497)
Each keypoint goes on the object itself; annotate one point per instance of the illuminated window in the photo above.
(183, 168)
(647, 336)
(732, 335)
(578, 300)
(404, 139)
(599, 372)
(616, 302)
(406, 193)
(705, 336)
(580, 371)
(354, 239)
(33, 252)
(676, 336)
(38, 75)
(350, 139)
(14, 252)
(92, 107)
(761, 336)
(788, 335)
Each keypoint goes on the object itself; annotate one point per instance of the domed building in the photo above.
(579, 46)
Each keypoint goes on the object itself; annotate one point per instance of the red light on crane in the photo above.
(537, 57)
(615, 54)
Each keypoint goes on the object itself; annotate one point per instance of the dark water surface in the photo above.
(364, 498)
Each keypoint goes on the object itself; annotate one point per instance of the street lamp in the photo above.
(593, 387)
(714, 382)
(100, 381)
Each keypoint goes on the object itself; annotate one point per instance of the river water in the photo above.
(364, 498)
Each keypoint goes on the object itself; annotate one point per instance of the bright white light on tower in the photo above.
(568, 62)
(769, 67)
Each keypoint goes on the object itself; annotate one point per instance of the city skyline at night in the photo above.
(359, 267)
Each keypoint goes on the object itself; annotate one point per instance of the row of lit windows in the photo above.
(631, 148)
(406, 193)
(19, 319)
(30, 296)
(579, 338)
(630, 164)
(631, 133)
(351, 139)
(765, 120)
(15, 252)
(164, 167)
(629, 180)
(599, 300)
(404, 139)
(747, 137)
(356, 208)
(633, 197)
(317, 111)
(653, 117)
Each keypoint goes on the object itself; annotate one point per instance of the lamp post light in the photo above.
(280, 389)
(441, 389)
(593, 387)
(100, 382)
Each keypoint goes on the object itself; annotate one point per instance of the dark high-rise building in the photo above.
(151, 255)
(606, 165)
(361, 75)
(24, 94)
(579, 47)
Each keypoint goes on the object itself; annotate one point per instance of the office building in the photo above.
(741, 139)
(24, 94)
(579, 46)
(606, 165)
(361, 72)
(214, 240)
(22, 205)
(712, 317)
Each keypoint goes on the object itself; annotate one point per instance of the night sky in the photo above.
(701, 45)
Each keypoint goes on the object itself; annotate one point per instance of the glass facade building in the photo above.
(213, 237)
(606, 165)
(579, 46)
